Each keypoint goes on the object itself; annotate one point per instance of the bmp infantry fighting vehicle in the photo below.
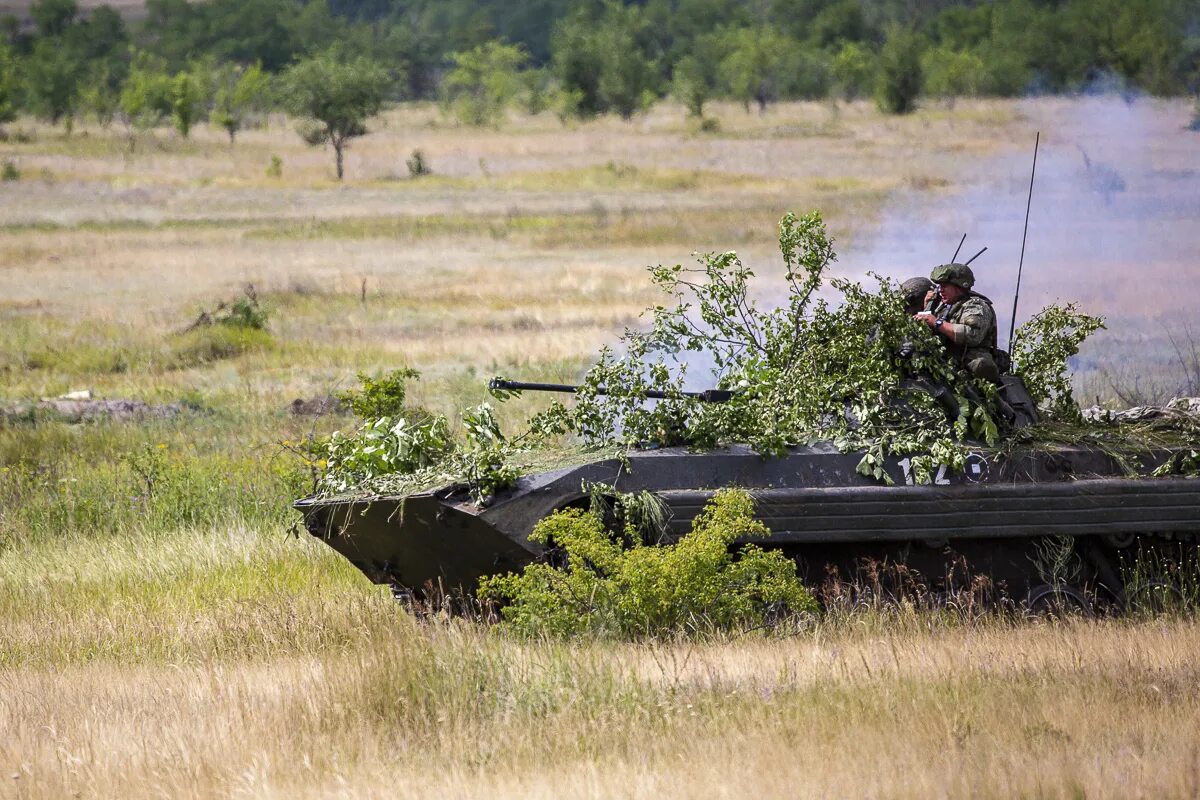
(1005, 516)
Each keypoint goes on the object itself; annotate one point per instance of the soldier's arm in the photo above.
(971, 329)
(973, 325)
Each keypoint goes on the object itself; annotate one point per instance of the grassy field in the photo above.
(162, 632)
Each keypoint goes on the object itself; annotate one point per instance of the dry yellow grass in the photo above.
(1085, 710)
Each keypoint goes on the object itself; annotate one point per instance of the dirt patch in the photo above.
(89, 410)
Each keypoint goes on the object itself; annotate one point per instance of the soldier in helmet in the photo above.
(917, 293)
(965, 321)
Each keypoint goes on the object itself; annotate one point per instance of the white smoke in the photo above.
(1114, 226)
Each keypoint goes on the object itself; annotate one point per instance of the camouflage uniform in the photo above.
(974, 324)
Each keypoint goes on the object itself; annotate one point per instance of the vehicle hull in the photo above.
(994, 515)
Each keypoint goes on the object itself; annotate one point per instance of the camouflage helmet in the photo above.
(958, 274)
(914, 290)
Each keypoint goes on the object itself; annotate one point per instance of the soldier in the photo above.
(965, 321)
(917, 294)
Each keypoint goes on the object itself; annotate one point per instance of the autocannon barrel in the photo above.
(706, 396)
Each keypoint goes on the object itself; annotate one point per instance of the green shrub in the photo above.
(383, 396)
(9, 172)
(693, 587)
(245, 312)
(275, 168)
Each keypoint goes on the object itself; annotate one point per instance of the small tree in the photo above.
(484, 81)
(628, 77)
(53, 17)
(336, 96)
(8, 86)
(600, 59)
(52, 74)
(146, 99)
(186, 100)
(692, 84)
(949, 73)
(899, 80)
(240, 92)
(577, 62)
(751, 70)
(101, 97)
(853, 69)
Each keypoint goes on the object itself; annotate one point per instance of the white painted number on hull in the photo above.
(940, 479)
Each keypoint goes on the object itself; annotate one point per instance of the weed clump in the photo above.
(244, 312)
(693, 587)
(228, 331)
(418, 165)
(9, 171)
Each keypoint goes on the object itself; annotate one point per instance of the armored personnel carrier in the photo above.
(1093, 512)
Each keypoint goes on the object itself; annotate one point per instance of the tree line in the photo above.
(335, 62)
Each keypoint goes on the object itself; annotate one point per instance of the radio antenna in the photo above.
(960, 244)
(1012, 325)
(977, 255)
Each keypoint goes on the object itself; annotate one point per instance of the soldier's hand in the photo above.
(926, 317)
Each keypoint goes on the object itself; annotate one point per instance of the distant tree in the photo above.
(187, 97)
(692, 83)
(950, 74)
(577, 61)
(695, 78)
(102, 36)
(337, 96)
(8, 85)
(752, 70)
(240, 92)
(52, 77)
(898, 82)
(53, 17)
(601, 60)
(805, 73)
(839, 23)
(147, 97)
(100, 97)
(315, 28)
(484, 81)
(691, 27)
(853, 71)
(539, 90)
(963, 27)
(628, 76)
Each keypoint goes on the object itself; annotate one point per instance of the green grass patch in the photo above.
(216, 592)
(203, 346)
